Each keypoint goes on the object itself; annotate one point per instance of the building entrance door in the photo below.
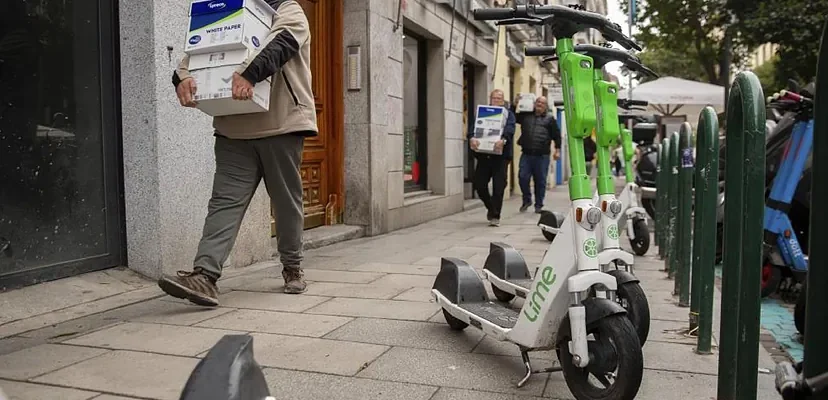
(60, 207)
(322, 160)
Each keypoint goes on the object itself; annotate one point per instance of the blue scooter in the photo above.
(782, 247)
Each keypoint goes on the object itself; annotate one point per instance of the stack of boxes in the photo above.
(222, 35)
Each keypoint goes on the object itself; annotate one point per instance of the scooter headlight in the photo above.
(593, 216)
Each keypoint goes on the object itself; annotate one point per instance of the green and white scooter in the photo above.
(634, 216)
(611, 257)
(571, 307)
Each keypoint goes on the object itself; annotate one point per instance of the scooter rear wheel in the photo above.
(454, 323)
(641, 243)
(616, 362)
(633, 299)
(502, 295)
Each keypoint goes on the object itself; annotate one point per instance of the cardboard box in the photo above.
(218, 59)
(488, 128)
(526, 102)
(214, 93)
(218, 25)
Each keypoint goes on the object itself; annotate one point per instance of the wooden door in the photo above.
(322, 161)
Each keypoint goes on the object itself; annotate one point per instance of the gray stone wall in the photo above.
(168, 150)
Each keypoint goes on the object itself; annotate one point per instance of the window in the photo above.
(415, 131)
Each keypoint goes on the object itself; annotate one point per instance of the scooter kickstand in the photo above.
(524, 354)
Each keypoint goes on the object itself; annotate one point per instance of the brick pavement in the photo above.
(366, 328)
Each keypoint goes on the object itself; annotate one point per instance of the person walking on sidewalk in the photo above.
(590, 148)
(492, 167)
(539, 130)
(252, 147)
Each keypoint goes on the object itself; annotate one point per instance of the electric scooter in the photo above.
(571, 307)
(637, 231)
(629, 293)
(782, 247)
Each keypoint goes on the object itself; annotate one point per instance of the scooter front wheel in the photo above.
(641, 243)
(616, 365)
(771, 277)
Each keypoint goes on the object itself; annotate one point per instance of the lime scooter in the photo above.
(634, 216)
(572, 306)
(511, 279)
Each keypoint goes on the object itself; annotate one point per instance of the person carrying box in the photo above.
(255, 146)
(492, 166)
(539, 130)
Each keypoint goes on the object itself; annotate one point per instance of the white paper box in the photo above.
(218, 25)
(488, 128)
(526, 102)
(214, 93)
(218, 59)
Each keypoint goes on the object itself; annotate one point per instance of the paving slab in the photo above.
(392, 268)
(416, 294)
(678, 358)
(156, 338)
(423, 335)
(356, 290)
(111, 397)
(464, 394)
(671, 332)
(35, 361)
(300, 385)
(32, 391)
(405, 281)
(314, 355)
(457, 370)
(319, 275)
(501, 348)
(668, 312)
(392, 309)
(277, 322)
(175, 313)
(127, 373)
(271, 301)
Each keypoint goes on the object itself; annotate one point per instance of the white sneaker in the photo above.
(494, 222)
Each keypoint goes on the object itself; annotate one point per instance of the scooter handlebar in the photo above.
(540, 51)
(610, 30)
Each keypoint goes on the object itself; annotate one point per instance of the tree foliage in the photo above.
(794, 25)
(687, 38)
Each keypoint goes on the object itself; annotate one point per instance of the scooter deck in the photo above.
(495, 313)
(524, 283)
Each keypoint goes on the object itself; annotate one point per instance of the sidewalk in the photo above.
(366, 329)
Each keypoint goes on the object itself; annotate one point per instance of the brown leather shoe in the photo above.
(294, 280)
(194, 286)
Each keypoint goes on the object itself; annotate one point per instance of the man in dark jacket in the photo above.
(539, 130)
(492, 167)
(251, 147)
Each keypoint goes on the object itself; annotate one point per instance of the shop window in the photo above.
(415, 131)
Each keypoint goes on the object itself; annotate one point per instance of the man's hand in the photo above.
(474, 143)
(499, 145)
(557, 154)
(186, 91)
(242, 88)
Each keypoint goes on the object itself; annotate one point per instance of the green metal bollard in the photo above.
(816, 327)
(684, 218)
(662, 180)
(743, 232)
(672, 167)
(657, 230)
(704, 229)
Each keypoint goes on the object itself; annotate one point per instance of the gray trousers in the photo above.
(240, 166)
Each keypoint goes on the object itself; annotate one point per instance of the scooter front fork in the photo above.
(578, 346)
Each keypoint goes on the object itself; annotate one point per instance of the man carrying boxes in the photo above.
(247, 64)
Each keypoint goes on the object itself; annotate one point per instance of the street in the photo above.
(366, 328)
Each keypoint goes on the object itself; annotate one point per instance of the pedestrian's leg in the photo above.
(281, 159)
(541, 172)
(524, 175)
(482, 175)
(237, 176)
(499, 166)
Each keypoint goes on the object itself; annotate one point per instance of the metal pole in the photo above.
(672, 217)
(629, 34)
(816, 328)
(683, 228)
(704, 229)
(744, 203)
(657, 230)
(661, 198)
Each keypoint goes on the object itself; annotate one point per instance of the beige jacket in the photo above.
(284, 57)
